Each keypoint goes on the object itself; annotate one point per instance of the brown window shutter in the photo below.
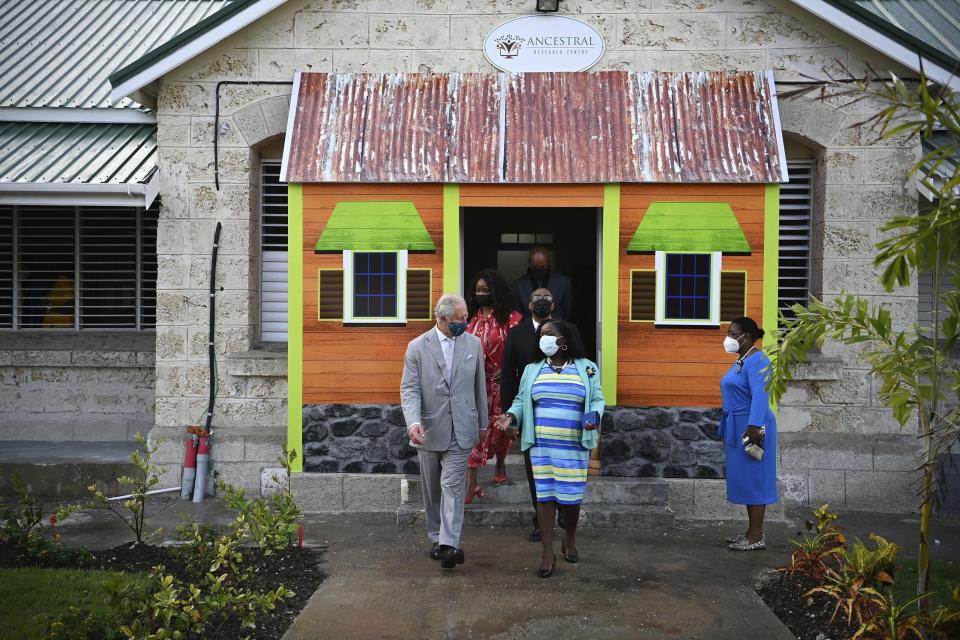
(418, 294)
(643, 295)
(733, 295)
(330, 294)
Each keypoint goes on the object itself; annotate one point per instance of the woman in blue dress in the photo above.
(748, 420)
(559, 405)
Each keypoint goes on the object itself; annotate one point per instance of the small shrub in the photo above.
(855, 584)
(24, 526)
(819, 551)
(272, 524)
(145, 478)
(893, 622)
(199, 545)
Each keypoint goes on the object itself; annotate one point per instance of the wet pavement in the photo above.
(681, 583)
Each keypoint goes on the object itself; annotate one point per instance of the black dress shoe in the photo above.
(572, 558)
(534, 536)
(435, 552)
(451, 557)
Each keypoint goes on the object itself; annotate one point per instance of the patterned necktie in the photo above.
(448, 356)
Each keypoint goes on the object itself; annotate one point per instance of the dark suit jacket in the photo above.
(559, 285)
(520, 350)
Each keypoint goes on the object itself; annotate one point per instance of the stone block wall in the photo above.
(87, 386)
(663, 442)
(860, 180)
(357, 439)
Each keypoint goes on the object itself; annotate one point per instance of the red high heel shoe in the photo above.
(500, 478)
(477, 492)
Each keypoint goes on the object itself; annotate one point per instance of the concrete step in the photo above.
(601, 490)
(598, 516)
(65, 469)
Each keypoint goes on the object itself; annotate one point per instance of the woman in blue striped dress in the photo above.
(558, 406)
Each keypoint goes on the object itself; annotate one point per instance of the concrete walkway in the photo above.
(629, 584)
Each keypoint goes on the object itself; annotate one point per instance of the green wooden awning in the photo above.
(375, 226)
(689, 226)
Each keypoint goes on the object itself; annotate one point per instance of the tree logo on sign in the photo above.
(508, 46)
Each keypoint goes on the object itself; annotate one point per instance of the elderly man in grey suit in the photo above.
(444, 399)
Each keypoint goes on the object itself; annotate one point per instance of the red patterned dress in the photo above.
(493, 337)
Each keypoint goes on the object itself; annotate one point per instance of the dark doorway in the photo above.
(501, 238)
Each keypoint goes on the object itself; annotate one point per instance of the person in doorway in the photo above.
(748, 429)
(559, 407)
(443, 395)
(540, 275)
(521, 349)
(491, 316)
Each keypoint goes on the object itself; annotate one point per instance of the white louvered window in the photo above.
(273, 257)
(796, 209)
(78, 268)
(925, 299)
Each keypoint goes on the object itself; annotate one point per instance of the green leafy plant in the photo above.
(26, 525)
(133, 510)
(855, 584)
(272, 523)
(199, 544)
(818, 550)
(915, 375)
(893, 622)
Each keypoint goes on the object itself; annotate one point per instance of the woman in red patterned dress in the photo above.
(491, 316)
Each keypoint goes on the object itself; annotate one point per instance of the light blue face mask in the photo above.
(549, 346)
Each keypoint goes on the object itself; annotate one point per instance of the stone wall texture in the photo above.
(356, 439)
(860, 181)
(76, 387)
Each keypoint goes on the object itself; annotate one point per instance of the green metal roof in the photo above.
(375, 226)
(689, 226)
(43, 153)
(929, 27)
(59, 54)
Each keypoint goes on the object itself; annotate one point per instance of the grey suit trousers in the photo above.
(443, 478)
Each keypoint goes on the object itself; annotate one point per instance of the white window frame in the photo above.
(348, 275)
(716, 264)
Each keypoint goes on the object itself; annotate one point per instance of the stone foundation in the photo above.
(665, 442)
(357, 439)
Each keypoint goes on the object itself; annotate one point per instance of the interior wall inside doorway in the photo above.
(501, 238)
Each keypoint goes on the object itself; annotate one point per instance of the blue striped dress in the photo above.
(559, 460)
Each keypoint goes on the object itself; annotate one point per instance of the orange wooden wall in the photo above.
(355, 363)
(680, 366)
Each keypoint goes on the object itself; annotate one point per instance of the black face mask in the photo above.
(541, 274)
(542, 308)
(485, 300)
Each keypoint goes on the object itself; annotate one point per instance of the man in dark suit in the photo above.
(540, 275)
(521, 349)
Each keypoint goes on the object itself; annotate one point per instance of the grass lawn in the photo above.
(945, 575)
(30, 598)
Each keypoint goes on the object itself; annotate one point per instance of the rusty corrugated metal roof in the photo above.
(610, 126)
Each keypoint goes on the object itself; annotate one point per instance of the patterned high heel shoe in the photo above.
(475, 492)
(746, 545)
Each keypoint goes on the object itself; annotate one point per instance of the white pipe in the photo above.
(148, 493)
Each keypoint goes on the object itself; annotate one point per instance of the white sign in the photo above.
(543, 43)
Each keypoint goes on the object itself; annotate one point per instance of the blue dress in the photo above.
(558, 459)
(745, 403)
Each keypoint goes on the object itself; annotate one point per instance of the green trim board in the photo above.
(610, 292)
(295, 322)
(771, 261)
(689, 227)
(155, 55)
(452, 280)
(378, 225)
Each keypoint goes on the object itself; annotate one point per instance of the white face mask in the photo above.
(731, 345)
(548, 344)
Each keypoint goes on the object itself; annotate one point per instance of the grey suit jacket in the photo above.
(454, 413)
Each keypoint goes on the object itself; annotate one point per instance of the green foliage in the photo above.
(28, 528)
(893, 622)
(134, 509)
(199, 546)
(30, 599)
(273, 523)
(818, 550)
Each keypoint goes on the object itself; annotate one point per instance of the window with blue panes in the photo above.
(688, 286)
(375, 293)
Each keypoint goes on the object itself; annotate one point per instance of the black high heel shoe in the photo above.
(546, 573)
(573, 558)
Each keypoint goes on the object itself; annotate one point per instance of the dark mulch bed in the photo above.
(297, 569)
(807, 617)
